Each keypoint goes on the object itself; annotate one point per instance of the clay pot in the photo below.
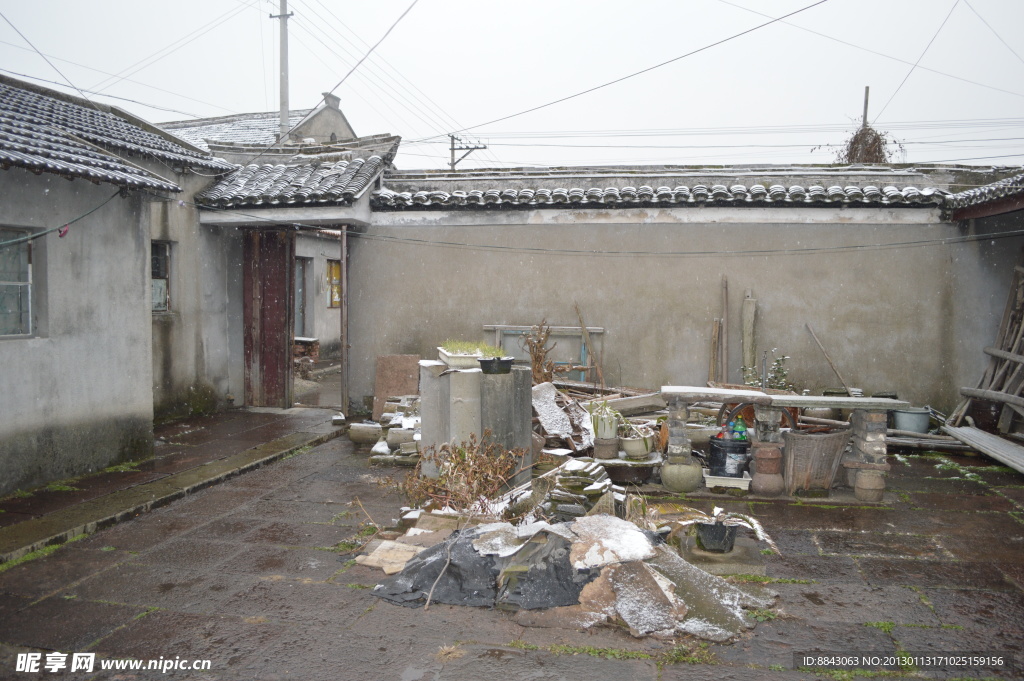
(681, 475)
(870, 485)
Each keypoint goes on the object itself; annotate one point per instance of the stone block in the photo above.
(395, 375)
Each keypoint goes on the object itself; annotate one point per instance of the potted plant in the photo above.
(716, 531)
(493, 362)
(635, 439)
(605, 420)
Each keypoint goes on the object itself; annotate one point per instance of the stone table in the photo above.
(868, 419)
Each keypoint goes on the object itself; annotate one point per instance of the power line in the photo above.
(36, 49)
(971, 7)
(93, 92)
(146, 85)
(37, 235)
(875, 52)
(426, 102)
(925, 51)
(345, 77)
(642, 71)
(169, 49)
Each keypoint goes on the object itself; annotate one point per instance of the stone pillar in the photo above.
(868, 439)
(767, 421)
(868, 446)
(506, 411)
(680, 472)
(678, 439)
(433, 428)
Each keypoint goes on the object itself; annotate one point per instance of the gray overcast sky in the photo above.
(769, 96)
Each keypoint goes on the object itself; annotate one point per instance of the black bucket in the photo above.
(728, 458)
(716, 537)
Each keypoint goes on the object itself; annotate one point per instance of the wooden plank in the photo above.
(1003, 451)
(723, 357)
(1002, 354)
(716, 328)
(993, 395)
(748, 314)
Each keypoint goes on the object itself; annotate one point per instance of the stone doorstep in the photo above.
(96, 514)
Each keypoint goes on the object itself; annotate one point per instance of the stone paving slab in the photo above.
(236, 579)
(934, 573)
(158, 586)
(93, 514)
(874, 544)
(774, 643)
(81, 623)
(825, 569)
(854, 603)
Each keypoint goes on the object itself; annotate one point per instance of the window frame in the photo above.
(166, 278)
(334, 290)
(27, 323)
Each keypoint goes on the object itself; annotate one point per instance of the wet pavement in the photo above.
(256, 574)
(188, 455)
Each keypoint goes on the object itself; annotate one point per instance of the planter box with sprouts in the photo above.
(465, 354)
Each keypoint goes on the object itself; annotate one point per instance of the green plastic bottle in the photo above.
(739, 429)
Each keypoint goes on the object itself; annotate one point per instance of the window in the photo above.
(334, 283)
(15, 284)
(160, 264)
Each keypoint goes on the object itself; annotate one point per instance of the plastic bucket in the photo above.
(914, 419)
(728, 458)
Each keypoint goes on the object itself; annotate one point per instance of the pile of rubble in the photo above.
(578, 574)
(395, 436)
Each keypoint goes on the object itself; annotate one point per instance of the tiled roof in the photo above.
(718, 194)
(313, 183)
(44, 133)
(1011, 186)
(260, 129)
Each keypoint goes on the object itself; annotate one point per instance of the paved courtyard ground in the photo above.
(255, 575)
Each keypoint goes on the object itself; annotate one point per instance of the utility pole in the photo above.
(462, 146)
(867, 89)
(283, 16)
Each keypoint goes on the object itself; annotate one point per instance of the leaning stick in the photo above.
(829, 359)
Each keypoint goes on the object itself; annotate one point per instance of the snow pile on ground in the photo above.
(576, 574)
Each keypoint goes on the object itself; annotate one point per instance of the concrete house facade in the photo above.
(320, 138)
(78, 184)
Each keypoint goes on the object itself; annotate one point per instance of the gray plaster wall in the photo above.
(909, 318)
(197, 344)
(77, 397)
(323, 321)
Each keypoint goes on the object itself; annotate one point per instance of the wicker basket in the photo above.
(812, 459)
